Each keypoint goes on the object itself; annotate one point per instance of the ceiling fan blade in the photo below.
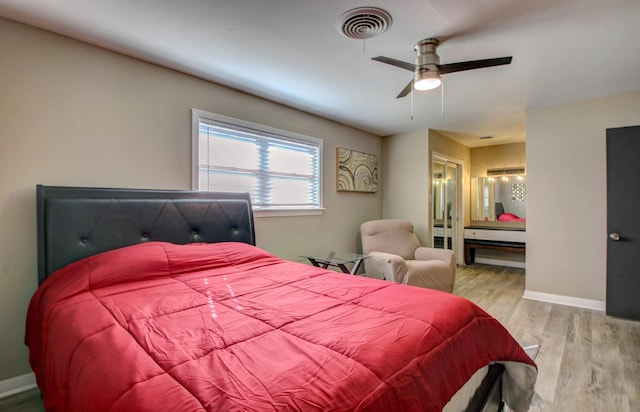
(473, 64)
(406, 90)
(394, 62)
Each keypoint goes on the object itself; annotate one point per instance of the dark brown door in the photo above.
(623, 222)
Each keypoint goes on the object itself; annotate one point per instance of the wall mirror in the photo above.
(499, 201)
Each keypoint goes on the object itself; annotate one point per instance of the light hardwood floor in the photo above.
(588, 362)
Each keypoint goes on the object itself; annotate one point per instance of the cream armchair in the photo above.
(395, 254)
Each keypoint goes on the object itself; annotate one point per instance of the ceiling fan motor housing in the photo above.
(426, 57)
(427, 60)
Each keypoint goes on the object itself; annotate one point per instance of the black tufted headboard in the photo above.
(77, 222)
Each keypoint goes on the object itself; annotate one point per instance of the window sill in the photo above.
(287, 212)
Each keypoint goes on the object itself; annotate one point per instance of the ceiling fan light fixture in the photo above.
(427, 80)
(427, 68)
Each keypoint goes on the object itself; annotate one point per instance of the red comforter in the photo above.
(227, 326)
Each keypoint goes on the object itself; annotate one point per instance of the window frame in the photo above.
(197, 115)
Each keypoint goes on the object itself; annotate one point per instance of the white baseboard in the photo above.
(565, 300)
(18, 384)
(500, 262)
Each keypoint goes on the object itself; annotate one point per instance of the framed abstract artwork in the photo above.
(357, 171)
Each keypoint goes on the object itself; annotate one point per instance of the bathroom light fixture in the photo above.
(506, 171)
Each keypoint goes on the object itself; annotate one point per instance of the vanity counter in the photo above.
(508, 239)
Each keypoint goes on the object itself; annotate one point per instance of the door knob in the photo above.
(614, 236)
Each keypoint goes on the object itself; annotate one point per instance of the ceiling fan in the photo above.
(427, 68)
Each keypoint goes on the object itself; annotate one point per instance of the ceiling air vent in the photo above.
(506, 171)
(364, 22)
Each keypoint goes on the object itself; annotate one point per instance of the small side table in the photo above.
(337, 259)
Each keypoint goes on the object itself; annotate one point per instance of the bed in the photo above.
(160, 300)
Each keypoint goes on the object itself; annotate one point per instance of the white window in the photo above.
(281, 170)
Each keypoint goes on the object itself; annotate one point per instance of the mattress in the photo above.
(228, 326)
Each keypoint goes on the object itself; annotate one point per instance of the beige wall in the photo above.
(566, 191)
(73, 114)
(566, 194)
(497, 156)
(406, 180)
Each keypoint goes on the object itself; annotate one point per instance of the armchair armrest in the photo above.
(445, 255)
(387, 265)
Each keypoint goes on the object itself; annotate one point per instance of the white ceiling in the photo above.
(290, 51)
